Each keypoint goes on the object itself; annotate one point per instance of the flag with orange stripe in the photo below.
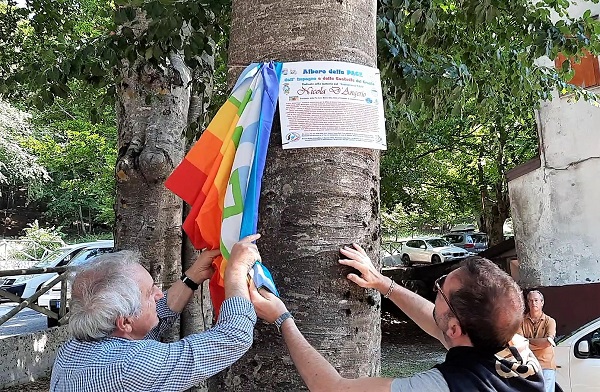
(221, 174)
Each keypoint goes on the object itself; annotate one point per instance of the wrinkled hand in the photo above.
(358, 259)
(244, 254)
(202, 268)
(268, 307)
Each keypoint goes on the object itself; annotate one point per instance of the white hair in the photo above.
(535, 292)
(103, 291)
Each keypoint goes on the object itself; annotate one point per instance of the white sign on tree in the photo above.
(331, 104)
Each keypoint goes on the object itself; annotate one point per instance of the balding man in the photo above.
(540, 329)
(477, 311)
(118, 314)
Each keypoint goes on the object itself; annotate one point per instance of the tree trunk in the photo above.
(313, 201)
(152, 110)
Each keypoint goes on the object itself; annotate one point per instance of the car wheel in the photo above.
(52, 322)
(406, 260)
(435, 259)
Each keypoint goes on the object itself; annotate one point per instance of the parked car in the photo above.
(577, 358)
(25, 286)
(430, 250)
(472, 241)
(51, 298)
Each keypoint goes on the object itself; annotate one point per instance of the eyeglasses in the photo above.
(437, 287)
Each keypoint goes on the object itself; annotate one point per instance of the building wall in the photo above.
(556, 208)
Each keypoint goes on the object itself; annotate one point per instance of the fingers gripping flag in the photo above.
(220, 176)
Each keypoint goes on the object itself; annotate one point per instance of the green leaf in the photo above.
(158, 52)
(149, 53)
(59, 90)
(416, 16)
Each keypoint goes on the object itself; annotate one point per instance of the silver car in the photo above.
(472, 241)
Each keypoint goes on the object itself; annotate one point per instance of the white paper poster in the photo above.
(331, 104)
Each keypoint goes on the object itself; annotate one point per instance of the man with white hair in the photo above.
(540, 329)
(117, 315)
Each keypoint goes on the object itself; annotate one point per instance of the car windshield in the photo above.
(87, 255)
(479, 238)
(50, 260)
(453, 238)
(563, 338)
(437, 242)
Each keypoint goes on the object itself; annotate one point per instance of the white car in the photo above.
(51, 298)
(25, 286)
(577, 358)
(430, 250)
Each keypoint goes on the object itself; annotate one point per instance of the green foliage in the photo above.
(39, 240)
(461, 83)
(74, 238)
(80, 157)
(48, 44)
(18, 167)
(438, 56)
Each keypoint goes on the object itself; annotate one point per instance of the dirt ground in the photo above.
(42, 385)
(405, 350)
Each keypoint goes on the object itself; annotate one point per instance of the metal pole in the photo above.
(62, 310)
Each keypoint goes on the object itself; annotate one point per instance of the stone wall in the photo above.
(26, 358)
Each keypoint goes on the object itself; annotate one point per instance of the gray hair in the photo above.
(535, 292)
(103, 291)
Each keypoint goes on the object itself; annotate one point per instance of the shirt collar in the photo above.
(542, 317)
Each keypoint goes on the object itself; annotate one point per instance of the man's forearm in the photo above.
(317, 373)
(416, 307)
(539, 343)
(236, 282)
(178, 296)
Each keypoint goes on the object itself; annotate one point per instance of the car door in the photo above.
(421, 251)
(585, 366)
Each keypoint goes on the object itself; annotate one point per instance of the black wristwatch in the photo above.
(281, 319)
(188, 282)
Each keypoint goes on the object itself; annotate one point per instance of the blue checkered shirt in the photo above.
(116, 364)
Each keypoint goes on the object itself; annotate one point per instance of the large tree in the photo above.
(313, 200)
(154, 60)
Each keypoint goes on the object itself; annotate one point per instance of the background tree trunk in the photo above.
(152, 110)
(313, 201)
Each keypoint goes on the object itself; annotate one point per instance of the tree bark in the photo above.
(152, 110)
(313, 201)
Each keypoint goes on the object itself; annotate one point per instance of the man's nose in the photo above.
(158, 294)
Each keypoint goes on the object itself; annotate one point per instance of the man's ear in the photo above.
(454, 330)
(123, 324)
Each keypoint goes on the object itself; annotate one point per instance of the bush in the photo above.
(39, 241)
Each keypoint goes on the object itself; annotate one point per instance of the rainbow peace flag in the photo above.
(220, 176)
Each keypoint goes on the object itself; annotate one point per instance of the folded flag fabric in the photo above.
(220, 176)
(261, 276)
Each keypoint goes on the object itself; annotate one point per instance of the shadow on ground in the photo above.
(406, 349)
